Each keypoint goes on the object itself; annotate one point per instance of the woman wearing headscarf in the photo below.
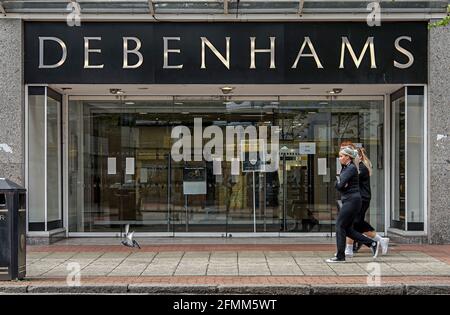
(348, 185)
(360, 224)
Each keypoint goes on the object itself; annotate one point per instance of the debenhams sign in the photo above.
(197, 53)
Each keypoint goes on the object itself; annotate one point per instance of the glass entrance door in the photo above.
(123, 169)
(307, 156)
(398, 159)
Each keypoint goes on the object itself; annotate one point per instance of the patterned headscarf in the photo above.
(349, 151)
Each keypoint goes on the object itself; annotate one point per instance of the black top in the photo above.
(364, 182)
(348, 181)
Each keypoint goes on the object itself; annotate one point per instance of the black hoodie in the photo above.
(348, 183)
(364, 182)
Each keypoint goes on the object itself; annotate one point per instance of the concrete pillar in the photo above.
(439, 135)
(12, 116)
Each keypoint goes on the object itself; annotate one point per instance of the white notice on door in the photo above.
(111, 166)
(307, 148)
(129, 167)
(322, 166)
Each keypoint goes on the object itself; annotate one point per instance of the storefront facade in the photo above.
(151, 123)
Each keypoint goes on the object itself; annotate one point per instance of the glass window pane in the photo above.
(36, 162)
(398, 164)
(53, 163)
(75, 172)
(415, 162)
(103, 196)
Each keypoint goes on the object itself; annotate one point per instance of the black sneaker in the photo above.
(335, 260)
(357, 246)
(375, 248)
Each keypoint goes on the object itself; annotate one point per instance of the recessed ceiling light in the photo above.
(185, 113)
(129, 103)
(178, 103)
(116, 91)
(227, 89)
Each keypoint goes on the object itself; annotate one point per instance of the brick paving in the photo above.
(233, 264)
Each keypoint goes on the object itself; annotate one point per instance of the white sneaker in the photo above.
(335, 260)
(348, 253)
(384, 243)
(375, 247)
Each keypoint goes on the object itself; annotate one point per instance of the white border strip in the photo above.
(426, 168)
(26, 157)
(45, 160)
(406, 159)
(387, 162)
(65, 154)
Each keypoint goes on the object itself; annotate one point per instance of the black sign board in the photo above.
(218, 53)
(194, 181)
(194, 174)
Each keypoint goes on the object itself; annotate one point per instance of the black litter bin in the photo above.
(12, 230)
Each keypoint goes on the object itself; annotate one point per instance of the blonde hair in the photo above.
(362, 152)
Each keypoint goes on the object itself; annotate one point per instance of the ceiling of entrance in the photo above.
(236, 90)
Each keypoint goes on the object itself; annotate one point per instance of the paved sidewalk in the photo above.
(107, 262)
(270, 268)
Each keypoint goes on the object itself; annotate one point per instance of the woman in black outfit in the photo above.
(360, 224)
(348, 185)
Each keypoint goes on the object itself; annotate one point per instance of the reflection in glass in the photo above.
(53, 162)
(36, 162)
(293, 198)
(398, 160)
(44, 162)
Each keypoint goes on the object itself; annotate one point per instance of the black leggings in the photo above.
(344, 225)
(360, 224)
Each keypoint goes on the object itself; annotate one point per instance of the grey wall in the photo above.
(11, 100)
(439, 124)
